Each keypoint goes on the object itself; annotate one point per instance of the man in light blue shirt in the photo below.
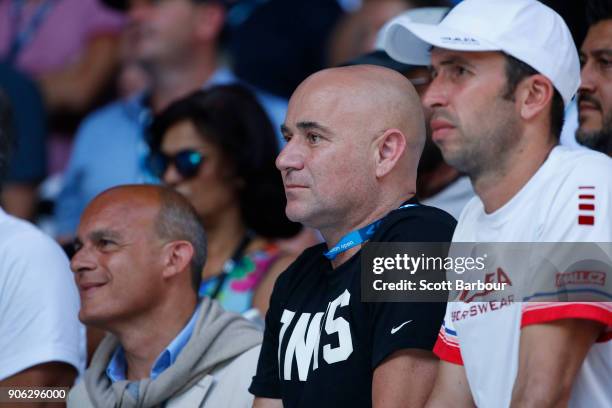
(117, 367)
(177, 44)
(140, 252)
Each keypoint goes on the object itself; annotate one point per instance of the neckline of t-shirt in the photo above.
(331, 271)
(411, 200)
(503, 214)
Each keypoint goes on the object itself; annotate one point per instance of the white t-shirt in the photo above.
(569, 199)
(453, 198)
(39, 302)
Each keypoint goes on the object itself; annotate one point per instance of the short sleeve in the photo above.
(447, 345)
(408, 325)
(397, 326)
(582, 209)
(417, 224)
(266, 382)
(544, 312)
(581, 212)
(39, 306)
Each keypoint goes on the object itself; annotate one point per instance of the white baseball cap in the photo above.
(525, 29)
(424, 15)
(378, 56)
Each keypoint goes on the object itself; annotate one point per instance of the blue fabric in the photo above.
(117, 367)
(110, 149)
(28, 157)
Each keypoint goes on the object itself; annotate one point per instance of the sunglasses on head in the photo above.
(186, 162)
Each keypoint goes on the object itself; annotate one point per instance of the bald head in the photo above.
(377, 99)
(161, 212)
(354, 138)
(142, 200)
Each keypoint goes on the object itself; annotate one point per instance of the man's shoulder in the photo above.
(225, 386)
(418, 223)
(78, 396)
(241, 363)
(107, 112)
(115, 116)
(21, 238)
(575, 173)
(577, 197)
(580, 164)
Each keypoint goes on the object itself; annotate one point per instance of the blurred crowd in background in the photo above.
(107, 92)
(64, 61)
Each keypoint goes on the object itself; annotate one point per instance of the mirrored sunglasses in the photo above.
(186, 162)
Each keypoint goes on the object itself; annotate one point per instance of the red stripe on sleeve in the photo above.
(446, 351)
(557, 311)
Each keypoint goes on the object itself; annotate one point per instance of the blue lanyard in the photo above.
(22, 37)
(358, 237)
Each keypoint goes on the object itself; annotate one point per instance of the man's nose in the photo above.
(291, 157)
(436, 94)
(82, 261)
(588, 78)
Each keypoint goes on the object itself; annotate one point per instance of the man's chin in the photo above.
(590, 120)
(454, 158)
(599, 140)
(93, 318)
(297, 213)
(295, 216)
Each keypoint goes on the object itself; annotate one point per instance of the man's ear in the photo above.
(177, 256)
(390, 147)
(534, 94)
(210, 21)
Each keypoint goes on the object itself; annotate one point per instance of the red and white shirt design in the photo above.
(569, 199)
(586, 205)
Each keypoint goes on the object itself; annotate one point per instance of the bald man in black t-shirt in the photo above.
(354, 138)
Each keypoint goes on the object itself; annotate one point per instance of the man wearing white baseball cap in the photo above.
(503, 70)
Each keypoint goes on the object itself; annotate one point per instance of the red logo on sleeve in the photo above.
(586, 205)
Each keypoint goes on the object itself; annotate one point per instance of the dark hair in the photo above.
(5, 132)
(598, 10)
(516, 71)
(230, 117)
(177, 220)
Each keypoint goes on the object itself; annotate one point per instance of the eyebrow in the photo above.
(97, 235)
(306, 125)
(455, 59)
(311, 125)
(600, 52)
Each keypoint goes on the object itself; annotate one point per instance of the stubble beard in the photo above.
(599, 140)
(485, 145)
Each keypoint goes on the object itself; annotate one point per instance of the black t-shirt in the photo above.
(331, 342)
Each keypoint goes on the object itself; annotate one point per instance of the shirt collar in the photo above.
(117, 366)
(221, 76)
(137, 105)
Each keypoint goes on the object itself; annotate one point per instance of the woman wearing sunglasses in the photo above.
(217, 147)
